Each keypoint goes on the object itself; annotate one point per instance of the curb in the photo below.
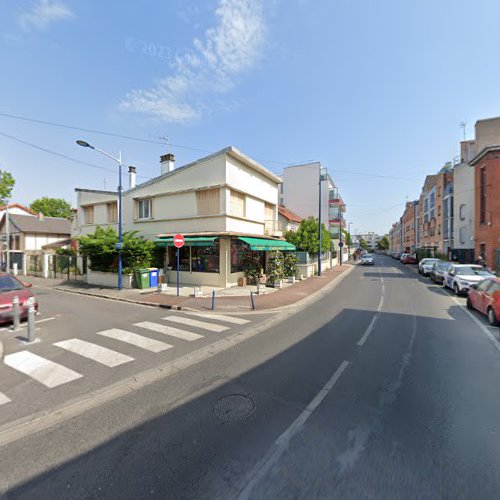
(1, 350)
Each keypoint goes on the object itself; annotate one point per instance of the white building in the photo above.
(371, 239)
(300, 193)
(225, 204)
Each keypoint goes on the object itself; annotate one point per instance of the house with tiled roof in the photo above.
(287, 219)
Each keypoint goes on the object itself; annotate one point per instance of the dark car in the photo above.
(409, 258)
(438, 270)
(485, 297)
(11, 287)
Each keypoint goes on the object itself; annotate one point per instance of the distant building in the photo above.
(409, 227)
(371, 239)
(288, 220)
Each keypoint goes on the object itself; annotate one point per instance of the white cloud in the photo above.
(211, 66)
(43, 13)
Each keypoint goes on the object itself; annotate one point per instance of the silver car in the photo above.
(425, 266)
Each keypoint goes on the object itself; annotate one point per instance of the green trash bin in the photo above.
(142, 278)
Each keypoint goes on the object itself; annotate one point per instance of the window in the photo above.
(482, 195)
(482, 250)
(144, 209)
(237, 204)
(208, 201)
(88, 214)
(112, 211)
(461, 233)
(462, 211)
(205, 259)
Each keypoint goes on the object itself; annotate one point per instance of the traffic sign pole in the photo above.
(178, 251)
(178, 243)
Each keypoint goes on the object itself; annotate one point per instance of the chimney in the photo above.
(40, 216)
(131, 177)
(167, 163)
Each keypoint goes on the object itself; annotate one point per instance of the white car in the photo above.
(425, 266)
(460, 277)
(367, 260)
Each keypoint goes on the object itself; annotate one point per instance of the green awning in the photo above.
(263, 244)
(189, 241)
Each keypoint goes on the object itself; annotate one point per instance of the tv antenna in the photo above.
(162, 138)
(463, 126)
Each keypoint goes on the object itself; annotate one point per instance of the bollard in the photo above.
(16, 319)
(251, 298)
(31, 323)
(213, 300)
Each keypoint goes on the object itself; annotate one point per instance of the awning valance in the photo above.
(189, 241)
(263, 244)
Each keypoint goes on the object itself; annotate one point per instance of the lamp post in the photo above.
(322, 177)
(350, 239)
(119, 245)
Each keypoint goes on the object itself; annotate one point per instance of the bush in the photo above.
(290, 264)
(100, 248)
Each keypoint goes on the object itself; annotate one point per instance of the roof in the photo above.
(488, 149)
(17, 205)
(30, 224)
(83, 190)
(57, 244)
(230, 150)
(288, 214)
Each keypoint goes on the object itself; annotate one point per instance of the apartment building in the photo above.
(225, 205)
(371, 239)
(409, 226)
(396, 237)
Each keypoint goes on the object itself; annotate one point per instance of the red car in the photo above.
(485, 297)
(10, 286)
(409, 259)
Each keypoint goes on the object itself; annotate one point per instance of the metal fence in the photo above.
(70, 267)
(34, 265)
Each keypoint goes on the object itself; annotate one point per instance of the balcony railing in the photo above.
(271, 228)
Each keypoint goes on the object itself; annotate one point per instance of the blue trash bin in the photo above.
(153, 276)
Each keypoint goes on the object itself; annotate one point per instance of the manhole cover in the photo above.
(234, 407)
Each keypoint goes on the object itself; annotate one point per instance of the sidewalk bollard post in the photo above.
(251, 298)
(31, 323)
(213, 300)
(16, 313)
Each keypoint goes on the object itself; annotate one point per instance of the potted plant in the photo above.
(290, 266)
(276, 270)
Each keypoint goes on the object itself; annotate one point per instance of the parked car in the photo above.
(11, 287)
(438, 270)
(367, 260)
(409, 258)
(485, 297)
(425, 266)
(459, 277)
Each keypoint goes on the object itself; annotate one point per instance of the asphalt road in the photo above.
(385, 388)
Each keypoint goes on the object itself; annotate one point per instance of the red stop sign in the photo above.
(178, 241)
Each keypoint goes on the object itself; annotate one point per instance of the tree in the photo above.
(347, 238)
(363, 244)
(383, 244)
(100, 248)
(306, 237)
(7, 183)
(52, 207)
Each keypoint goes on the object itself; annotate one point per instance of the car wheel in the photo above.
(492, 318)
(469, 303)
(456, 289)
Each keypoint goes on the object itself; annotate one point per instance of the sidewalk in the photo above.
(285, 297)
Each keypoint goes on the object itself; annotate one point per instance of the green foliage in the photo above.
(252, 265)
(363, 244)
(306, 237)
(347, 238)
(52, 207)
(65, 251)
(100, 248)
(276, 268)
(290, 264)
(7, 183)
(383, 244)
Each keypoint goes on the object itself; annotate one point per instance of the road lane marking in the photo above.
(42, 370)
(381, 303)
(220, 317)
(4, 399)
(24, 325)
(134, 339)
(198, 324)
(281, 444)
(97, 353)
(365, 336)
(169, 330)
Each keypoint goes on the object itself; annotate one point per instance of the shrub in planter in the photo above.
(290, 264)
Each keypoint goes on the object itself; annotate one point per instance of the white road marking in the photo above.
(134, 339)
(381, 303)
(3, 399)
(169, 330)
(198, 324)
(24, 325)
(281, 444)
(95, 352)
(42, 370)
(365, 336)
(220, 317)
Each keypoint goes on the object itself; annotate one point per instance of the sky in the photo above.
(375, 90)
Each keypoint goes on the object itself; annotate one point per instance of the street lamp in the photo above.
(350, 238)
(119, 245)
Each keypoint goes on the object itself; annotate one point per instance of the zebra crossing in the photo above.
(51, 374)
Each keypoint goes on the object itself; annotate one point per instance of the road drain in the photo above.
(234, 407)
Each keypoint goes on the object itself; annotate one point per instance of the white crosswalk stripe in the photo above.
(100, 354)
(42, 370)
(198, 324)
(169, 330)
(134, 339)
(220, 317)
(3, 399)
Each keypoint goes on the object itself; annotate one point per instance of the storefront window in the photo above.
(205, 259)
(183, 258)
(243, 259)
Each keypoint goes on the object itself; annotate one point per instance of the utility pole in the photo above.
(7, 234)
(319, 225)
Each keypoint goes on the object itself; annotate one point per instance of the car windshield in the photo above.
(429, 261)
(441, 266)
(472, 271)
(8, 283)
(368, 256)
